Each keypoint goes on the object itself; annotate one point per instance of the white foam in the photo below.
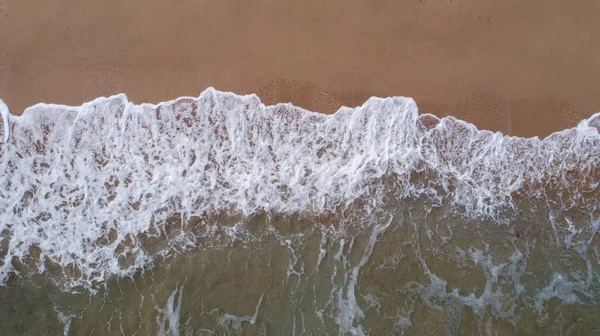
(74, 176)
(171, 314)
(65, 320)
(349, 312)
(229, 320)
(5, 120)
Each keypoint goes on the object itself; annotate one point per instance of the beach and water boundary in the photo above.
(216, 214)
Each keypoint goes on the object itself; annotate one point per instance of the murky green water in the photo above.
(403, 268)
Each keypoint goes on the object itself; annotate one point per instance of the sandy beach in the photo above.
(523, 68)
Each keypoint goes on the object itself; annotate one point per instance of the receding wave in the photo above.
(110, 188)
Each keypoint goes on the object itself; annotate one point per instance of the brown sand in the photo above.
(521, 67)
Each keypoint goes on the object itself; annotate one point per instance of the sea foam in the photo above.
(80, 184)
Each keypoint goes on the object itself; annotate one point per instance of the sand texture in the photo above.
(522, 67)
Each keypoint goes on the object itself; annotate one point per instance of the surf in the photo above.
(113, 190)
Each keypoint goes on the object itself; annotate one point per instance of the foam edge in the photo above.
(589, 126)
(5, 119)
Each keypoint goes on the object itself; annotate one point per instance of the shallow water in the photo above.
(218, 215)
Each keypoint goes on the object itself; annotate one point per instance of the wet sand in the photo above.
(524, 68)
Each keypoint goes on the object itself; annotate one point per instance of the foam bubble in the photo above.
(169, 317)
(5, 123)
(80, 184)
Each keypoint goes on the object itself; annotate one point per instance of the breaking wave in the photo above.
(83, 188)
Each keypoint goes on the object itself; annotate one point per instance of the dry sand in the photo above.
(521, 67)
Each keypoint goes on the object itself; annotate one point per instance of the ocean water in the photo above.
(218, 215)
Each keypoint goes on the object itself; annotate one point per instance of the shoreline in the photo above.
(7, 113)
(523, 69)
